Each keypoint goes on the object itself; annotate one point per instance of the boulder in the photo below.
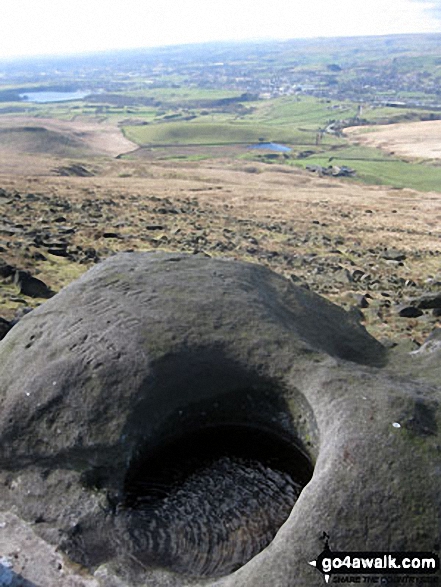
(179, 420)
(406, 311)
(6, 270)
(5, 327)
(31, 286)
(427, 301)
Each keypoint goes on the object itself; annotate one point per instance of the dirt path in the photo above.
(415, 139)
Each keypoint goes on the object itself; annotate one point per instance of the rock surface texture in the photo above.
(179, 420)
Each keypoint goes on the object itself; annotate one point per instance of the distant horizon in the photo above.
(102, 52)
(62, 28)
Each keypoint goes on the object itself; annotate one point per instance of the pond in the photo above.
(46, 97)
(271, 147)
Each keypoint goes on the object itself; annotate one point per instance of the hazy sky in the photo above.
(70, 26)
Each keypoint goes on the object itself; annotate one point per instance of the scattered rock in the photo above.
(31, 286)
(359, 275)
(17, 300)
(59, 252)
(5, 327)
(394, 255)
(9, 230)
(6, 270)
(410, 312)
(333, 170)
(73, 170)
(362, 300)
(66, 230)
(111, 235)
(427, 301)
(154, 227)
(32, 198)
(92, 254)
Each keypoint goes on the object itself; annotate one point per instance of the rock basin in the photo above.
(179, 420)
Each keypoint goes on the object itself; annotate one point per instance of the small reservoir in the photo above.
(46, 97)
(271, 147)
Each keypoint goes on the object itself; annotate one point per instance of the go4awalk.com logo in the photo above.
(385, 568)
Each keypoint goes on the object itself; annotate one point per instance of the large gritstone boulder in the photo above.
(179, 420)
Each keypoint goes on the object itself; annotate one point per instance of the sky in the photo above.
(47, 27)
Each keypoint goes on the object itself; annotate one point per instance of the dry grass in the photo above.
(322, 230)
(21, 134)
(414, 139)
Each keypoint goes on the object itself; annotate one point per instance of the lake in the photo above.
(45, 97)
(271, 147)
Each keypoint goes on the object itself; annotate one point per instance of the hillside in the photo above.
(369, 248)
(155, 155)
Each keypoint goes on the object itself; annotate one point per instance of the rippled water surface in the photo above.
(208, 504)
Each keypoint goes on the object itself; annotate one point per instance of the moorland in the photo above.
(150, 149)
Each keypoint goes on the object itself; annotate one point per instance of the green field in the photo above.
(305, 112)
(375, 167)
(212, 133)
(227, 95)
(181, 95)
(293, 122)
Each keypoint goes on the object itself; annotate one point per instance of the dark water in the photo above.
(46, 97)
(205, 504)
(271, 147)
(215, 521)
